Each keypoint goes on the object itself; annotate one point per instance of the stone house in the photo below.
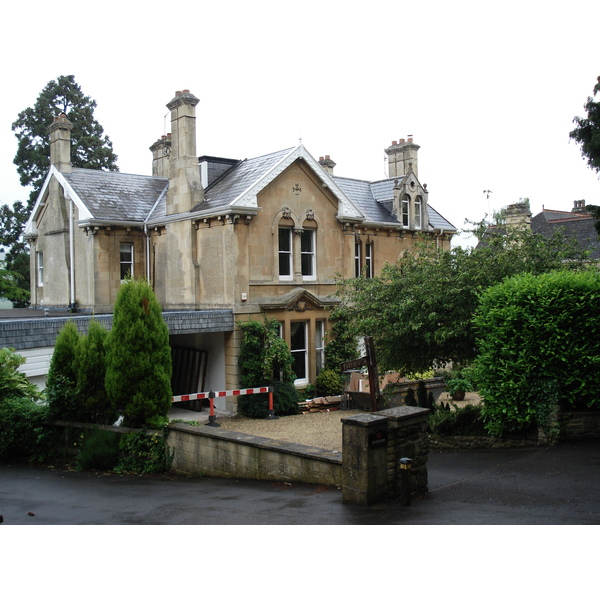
(576, 224)
(222, 240)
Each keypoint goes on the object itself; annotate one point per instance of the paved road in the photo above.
(559, 485)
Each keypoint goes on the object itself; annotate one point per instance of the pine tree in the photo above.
(138, 356)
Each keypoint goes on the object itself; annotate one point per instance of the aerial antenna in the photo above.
(165, 123)
(487, 196)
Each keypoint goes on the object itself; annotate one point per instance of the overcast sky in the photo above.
(488, 90)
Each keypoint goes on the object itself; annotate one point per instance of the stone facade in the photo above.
(262, 236)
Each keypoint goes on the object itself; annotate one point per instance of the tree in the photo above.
(90, 148)
(61, 385)
(587, 131)
(419, 311)
(90, 367)
(138, 356)
(16, 260)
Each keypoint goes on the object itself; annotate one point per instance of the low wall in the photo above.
(223, 453)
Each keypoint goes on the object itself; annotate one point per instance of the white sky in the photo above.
(488, 90)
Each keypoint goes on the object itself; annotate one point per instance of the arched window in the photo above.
(308, 250)
(405, 210)
(418, 212)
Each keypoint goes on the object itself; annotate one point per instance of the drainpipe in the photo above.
(147, 252)
(72, 256)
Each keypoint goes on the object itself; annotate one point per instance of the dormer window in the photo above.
(405, 210)
(418, 212)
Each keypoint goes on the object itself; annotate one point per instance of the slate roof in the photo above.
(114, 196)
(374, 199)
(238, 179)
(575, 226)
(117, 196)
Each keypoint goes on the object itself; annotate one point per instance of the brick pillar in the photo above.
(364, 458)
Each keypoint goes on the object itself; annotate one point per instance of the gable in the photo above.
(240, 187)
(299, 300)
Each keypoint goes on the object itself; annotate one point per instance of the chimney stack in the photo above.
(402, 158)
(327, 164)
(161, 152)
(60, 143)
(185, 187)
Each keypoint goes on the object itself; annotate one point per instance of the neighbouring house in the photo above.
(577, 224)
(222, 240)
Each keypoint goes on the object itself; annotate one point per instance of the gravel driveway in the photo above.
(320, 430)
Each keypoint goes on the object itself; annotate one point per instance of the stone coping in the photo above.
(331, 456)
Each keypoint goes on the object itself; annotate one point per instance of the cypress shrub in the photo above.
(539, 346)
(95, 405)
(61, 385)
(138, 357)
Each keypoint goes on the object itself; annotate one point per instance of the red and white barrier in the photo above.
(205, 395)
(212, 395)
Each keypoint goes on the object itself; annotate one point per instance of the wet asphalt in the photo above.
(557, 485)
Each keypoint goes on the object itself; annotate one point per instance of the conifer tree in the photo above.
(95, 405)
(138, 356)
(62, 379)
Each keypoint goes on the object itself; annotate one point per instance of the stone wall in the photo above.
(222, 453)
(373, 446)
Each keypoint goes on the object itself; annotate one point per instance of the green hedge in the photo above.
(538, 346)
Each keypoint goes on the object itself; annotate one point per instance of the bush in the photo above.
(265, 360)
(539, 345)
(460, 421)
(145, 452)
(138, 356)
(100, 450)
(94, 404)
(285, 402)
(21, 425)
(61, 385)
(329, 383)
(13, 383)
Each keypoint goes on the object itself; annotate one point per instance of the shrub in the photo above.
(21, 424)
(100, 450)
(145, 452)
(265, 360)
(94, 403)
(13, 383)
(329, 383)
(460, 421)
(62, 379)
(138, 356)
(539, 344)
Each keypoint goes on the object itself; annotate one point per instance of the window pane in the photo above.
(126, 261)
(307, 246)
(285, 252)
(284, 240)
(299, 350)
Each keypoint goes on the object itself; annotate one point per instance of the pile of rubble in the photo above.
(325, 404)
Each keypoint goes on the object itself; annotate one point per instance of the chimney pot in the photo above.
(327, 157)
(394, 143)
(402, 140)
(321, 159)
